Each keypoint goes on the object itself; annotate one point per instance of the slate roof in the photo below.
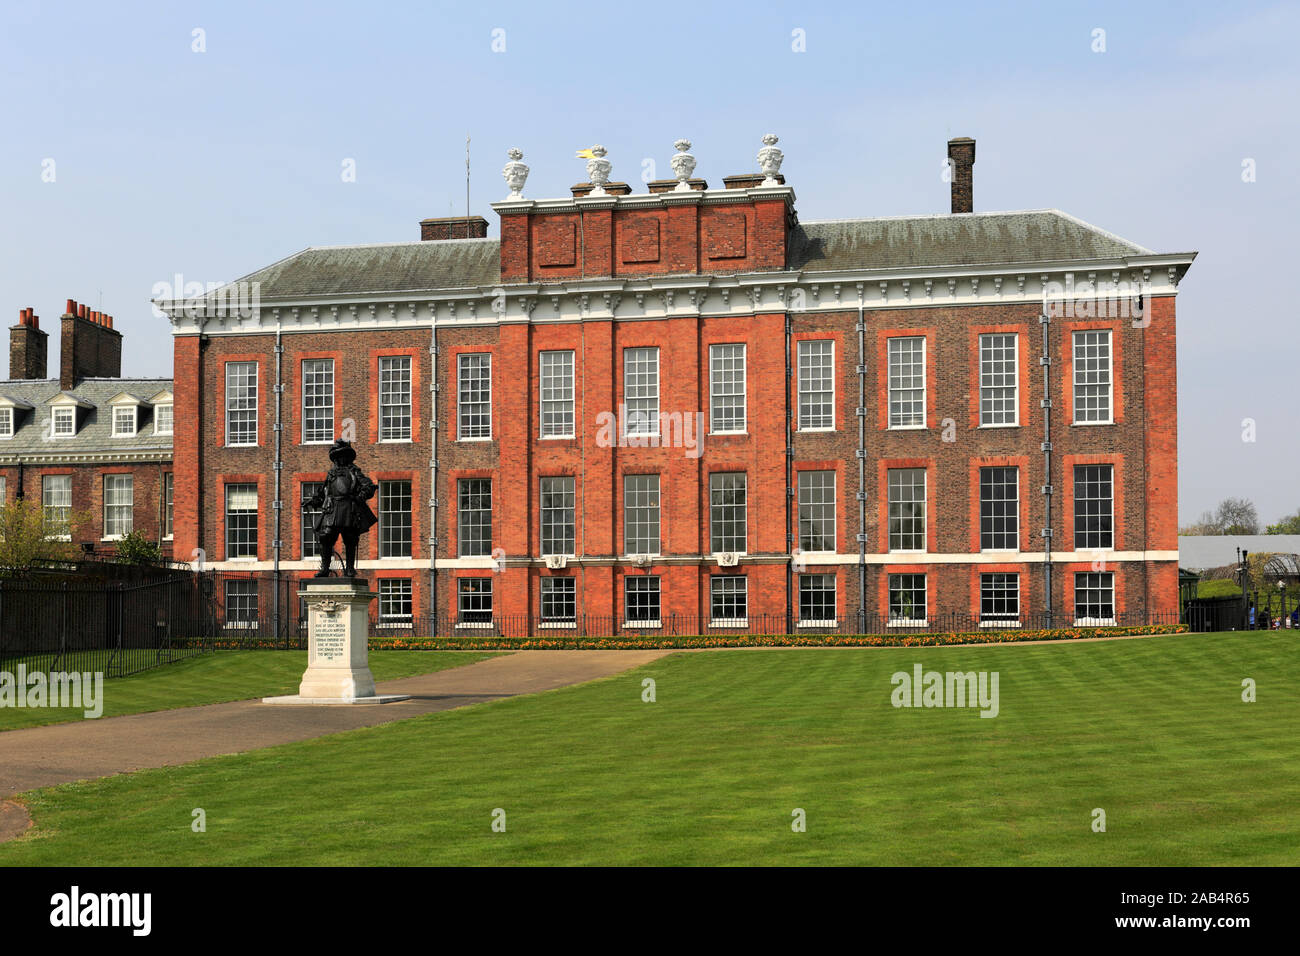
(94, 425)
(821, 246)
(973, 239)
(382, 268)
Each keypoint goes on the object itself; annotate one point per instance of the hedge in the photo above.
(729, 640)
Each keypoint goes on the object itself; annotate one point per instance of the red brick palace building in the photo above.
(89, 443)
(689, 403)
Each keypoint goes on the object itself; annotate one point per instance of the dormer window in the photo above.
(124, 420)
(162, 412)
(11, 411)
(64, 421)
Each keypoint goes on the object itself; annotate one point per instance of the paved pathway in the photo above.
(60, 753)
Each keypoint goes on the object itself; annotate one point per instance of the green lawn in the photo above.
(1270, 598)
(226, 675)
(1152, 730)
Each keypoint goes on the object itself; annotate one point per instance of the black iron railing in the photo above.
(109, 627)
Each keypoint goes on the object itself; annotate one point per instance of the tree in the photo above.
(1237, 516)
(1288, 525)
(1205, 524)
(1232, 516)
(26, 538)
(135, 548)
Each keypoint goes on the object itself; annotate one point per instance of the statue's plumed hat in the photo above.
(342, 452)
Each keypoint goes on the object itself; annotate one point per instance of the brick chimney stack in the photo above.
(453, 227)
(961, 161)
(28, 347)
(90, 346)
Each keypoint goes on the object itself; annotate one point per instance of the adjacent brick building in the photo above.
(88, 443)
(688, 403)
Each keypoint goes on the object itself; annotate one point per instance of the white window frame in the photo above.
(995, 620)
(65, 482)
(169, 505)
(799, 390)
(401, 589)
(135, 421)
(231, 491)
(548, 378)
(68, 413)
(395, 519)
(715, 382)
(657, 508)
(889, 383)
(657, 590)
(252, 396)
(1078, 487)
(728, 580)
(256, 604)
(1095, 621)
(979, 481)
(460, 396)
(1015, 380)
(543, 511)
(395, 365)
(129, 505)
(471, 587)
(647, 425)
(891, 620)
(834, 591)
(742, 521)
(333, 402)
(556, 585)
(925, 516)
(171, 419)
(1075, 384)
(6, 422)
(800, 488)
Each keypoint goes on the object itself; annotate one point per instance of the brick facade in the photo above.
(681, 272)
(148, 512)
(92, 450)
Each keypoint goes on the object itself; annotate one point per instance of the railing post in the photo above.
(63, 630)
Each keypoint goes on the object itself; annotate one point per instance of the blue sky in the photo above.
(213, 164)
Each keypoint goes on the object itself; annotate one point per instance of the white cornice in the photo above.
(718, 295)
(106, 458)
(706, 560)
(706, 197)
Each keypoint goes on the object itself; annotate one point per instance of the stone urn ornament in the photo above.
(598, 168)
(515, 172)
(770, 159)
(683, 164)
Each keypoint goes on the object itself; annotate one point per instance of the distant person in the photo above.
(1252, 617)
(1295, 617)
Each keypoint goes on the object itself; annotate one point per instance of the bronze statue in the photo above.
(343, 509)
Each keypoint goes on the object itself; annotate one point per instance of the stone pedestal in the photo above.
(338, 671)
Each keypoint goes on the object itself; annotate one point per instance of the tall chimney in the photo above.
(961, 162)
(28, 347)
(453, 227)
(90, 346)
